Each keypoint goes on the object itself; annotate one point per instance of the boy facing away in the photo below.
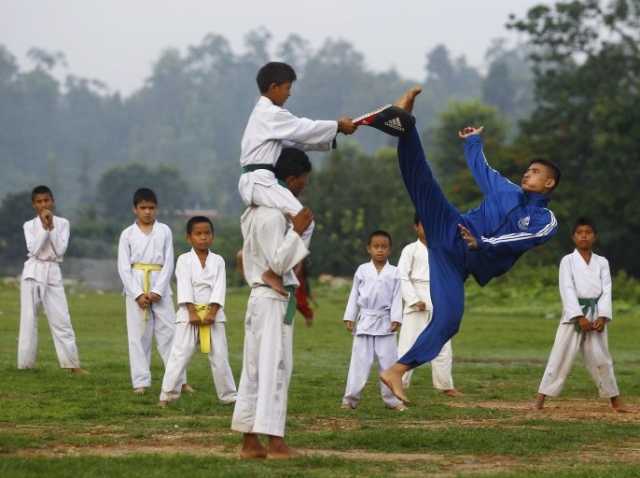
(202, 285)
(585, 290)
(373, 315)
(269, 129)
(145, 266)
(413, 268)
(485, 242)
(47, 238)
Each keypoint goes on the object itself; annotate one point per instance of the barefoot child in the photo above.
(485, 242)
(413, 268)
(202, 285)
(585, 290)
(145, 266)
(373, 316)
(47, 238)
(269, 129)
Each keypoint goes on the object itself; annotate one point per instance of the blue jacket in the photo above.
(507, 223)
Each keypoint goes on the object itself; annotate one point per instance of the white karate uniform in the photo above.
(413, 267)
(269, 129)
(374, 303)
(269, 243)
(41, 282)
(198, 285)
(154, 248)
(586, 281)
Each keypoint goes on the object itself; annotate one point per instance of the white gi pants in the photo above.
(54, 303)
(365, 349)
(185, 343)
(160, 322)
(279, 197)
(594, 347)
(261, 405)
(413, 324)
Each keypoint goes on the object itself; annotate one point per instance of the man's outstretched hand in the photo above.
(469, 131)
(468, 237)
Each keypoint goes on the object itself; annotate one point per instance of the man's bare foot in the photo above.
(392, 378)
(453, 393)
(252, 448)
(539, 403)
(186, 388)
(139, 390)
(617, 406)
(79, 371)
(163, 403)
(278, 449)
(274, 281)
(406, 100)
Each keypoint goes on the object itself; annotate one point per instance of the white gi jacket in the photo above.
(413, 268)
(45, 250)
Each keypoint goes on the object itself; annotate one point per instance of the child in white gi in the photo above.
(269, 129)
(413, 268)
(585, 289)
(145, 266)
(47, 238)
(373, 316)
(202, 284)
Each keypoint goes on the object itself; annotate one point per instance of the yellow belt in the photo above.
(204, 330)
(146, 277)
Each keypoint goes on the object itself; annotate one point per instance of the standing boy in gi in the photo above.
(373, 316)
(47, 238)
(145, 266)
(202, 285)
(585, 290)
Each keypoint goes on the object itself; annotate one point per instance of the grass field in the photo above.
(54, 424)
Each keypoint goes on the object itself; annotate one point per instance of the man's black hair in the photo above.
(379, 232)
(555, 169)
(292, 162)
(584, 221)
(144, 194)
(42, 189)
(199, 220)
(274, 72)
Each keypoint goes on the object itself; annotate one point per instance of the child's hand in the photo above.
(469, 131)
(470, 239)
(584, 324)
(46, 217)
(346, 126)
(599, 324)
(395, 326)
(349, 325)
(302, 220)
(211, 317)
(194, 318)
(153, 297)
(421, 306)
(143, 301)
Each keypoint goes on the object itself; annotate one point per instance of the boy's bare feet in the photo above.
(617, 406)
(252, 448)
(453, 393)
(274, 281)
(79, 371)
(347, 406)
(399, 408)
(278, 449)
(392, 378)
(163, 403)
(139, 390)
(186, 388)
(406, 100)
(539, 403)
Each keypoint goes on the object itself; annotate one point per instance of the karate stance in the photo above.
(373, 315)
(272, 241)
(413, 268)
(484, 242)
(200, 321)
(145, 266)
(585, 290)
(47, 238)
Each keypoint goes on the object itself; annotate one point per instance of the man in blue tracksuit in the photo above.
(485, 242)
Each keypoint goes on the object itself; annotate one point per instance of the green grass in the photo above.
(56, 424)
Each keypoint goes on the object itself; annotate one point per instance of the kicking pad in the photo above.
(388, 119)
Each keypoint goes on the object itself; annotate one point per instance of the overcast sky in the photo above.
(117, 40)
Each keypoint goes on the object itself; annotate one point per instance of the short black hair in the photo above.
(42, 189)
(144, 194)
(199, 220)
(584, 221)
(416, 219)
(379, 232)
(274, 72)
(292, 162)
(555, 169)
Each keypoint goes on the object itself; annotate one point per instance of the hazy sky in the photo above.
(117, 40)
